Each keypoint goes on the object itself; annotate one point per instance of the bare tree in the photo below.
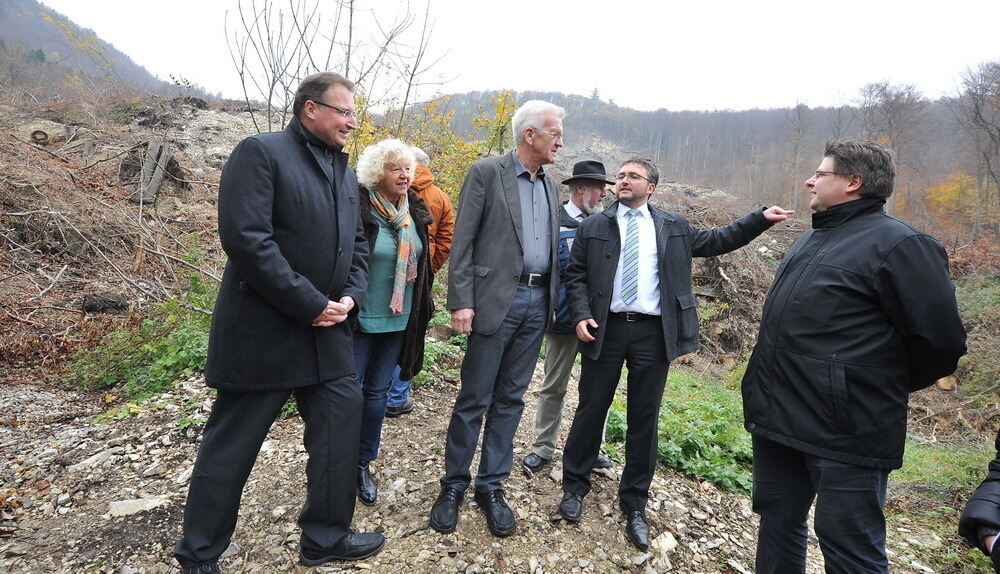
(797, 125)
(977, 110)
(892, 115)
(896, 117)
(273, 45)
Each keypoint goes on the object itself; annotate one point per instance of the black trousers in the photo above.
(231, 440)
(639, 346)
(849, 521)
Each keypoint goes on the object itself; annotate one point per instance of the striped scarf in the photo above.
(399, 221)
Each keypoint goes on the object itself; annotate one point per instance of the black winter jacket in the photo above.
(983, 510)
(861, 313)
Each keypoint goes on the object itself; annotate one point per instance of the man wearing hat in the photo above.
(587, 189)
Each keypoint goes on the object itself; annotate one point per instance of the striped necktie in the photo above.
(630, 258)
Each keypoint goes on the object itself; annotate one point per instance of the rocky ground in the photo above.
(88, 495)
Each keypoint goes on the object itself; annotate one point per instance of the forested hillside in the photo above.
(44, 54)
(948, 149)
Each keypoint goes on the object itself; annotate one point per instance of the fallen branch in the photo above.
(51, 285)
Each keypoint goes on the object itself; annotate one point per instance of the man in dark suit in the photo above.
(587, 189)
(629, 286)
(502, 278)
(289, 222)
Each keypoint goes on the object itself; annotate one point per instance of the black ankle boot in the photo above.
(367, 489)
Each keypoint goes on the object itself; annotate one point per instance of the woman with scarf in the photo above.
(393, 318)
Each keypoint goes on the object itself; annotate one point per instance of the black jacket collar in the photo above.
(841, 213)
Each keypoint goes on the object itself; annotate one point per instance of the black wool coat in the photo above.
(290, 224)
(411, 357)
(590, 277)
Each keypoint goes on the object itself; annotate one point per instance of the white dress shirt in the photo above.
(648, 299)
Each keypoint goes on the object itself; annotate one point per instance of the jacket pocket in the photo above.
(480, 270)
(843, 415)
(687, 318)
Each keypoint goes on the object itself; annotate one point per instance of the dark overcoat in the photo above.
(590, 277)
(411, 356)
(289, 222)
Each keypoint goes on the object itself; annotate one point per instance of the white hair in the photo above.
(374, 158)
(420, 155)
(530, 115)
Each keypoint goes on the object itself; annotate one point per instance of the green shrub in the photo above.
(700, 431)
(979, 304)
(148, 354)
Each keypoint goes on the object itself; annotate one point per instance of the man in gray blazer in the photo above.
(502, 279)
(629, 289)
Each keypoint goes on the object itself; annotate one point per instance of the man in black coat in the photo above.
(861, 313)
(289, 222)
(629, 287)
(980, 522)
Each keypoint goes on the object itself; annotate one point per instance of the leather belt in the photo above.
(534, 279)
(632, 316)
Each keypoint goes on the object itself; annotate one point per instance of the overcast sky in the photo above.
(691, 54)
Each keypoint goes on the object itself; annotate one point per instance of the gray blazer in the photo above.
(590, 277)
(487, 253)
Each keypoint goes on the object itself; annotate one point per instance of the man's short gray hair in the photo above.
(530, 115)
(420, 155)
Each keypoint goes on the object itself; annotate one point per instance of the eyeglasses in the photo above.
(554, 135)
(341, 111)
(632, 176)
(820, 173)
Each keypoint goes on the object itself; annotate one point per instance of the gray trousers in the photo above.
(496, 371)
(560, 354)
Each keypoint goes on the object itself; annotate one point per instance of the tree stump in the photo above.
(154, 167)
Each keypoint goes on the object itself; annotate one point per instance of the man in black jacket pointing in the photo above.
(861, 313)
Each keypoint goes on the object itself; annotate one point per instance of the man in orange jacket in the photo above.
(439, 232)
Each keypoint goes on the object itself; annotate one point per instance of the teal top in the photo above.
(375, 316)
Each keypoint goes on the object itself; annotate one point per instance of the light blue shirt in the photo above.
(648, 299)
(535, 219)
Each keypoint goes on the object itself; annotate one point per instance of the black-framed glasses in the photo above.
(632, 176)
(341, 111)
(820, 173)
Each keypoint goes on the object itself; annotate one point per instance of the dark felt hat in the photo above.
(589, 170)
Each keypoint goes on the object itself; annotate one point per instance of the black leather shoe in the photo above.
(444, 513)
(393, 412)
(571, 506)
(203, 568)
(637, 528)
(534, 462)
(354, 546)
(367, 489)
(499, 517)
(603, 461)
